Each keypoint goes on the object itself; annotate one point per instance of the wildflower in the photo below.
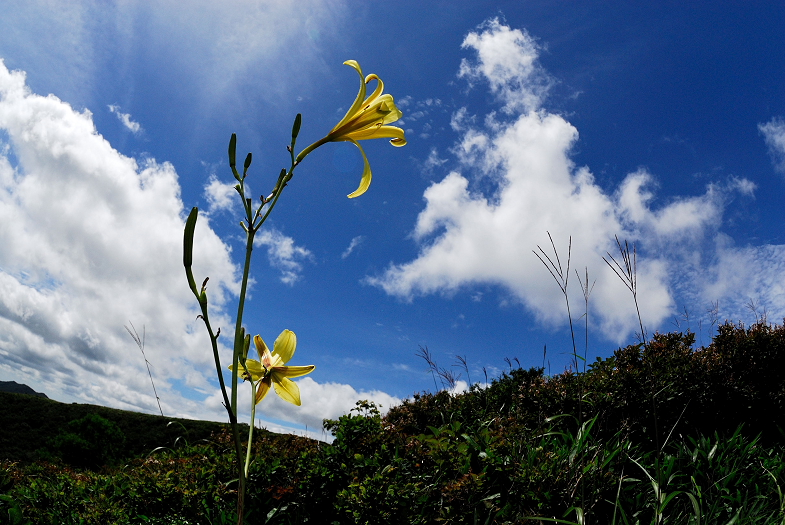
(272, 369)
(366, 119)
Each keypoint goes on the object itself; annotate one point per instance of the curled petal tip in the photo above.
(365, 181)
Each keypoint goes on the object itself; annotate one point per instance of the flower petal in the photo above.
(293, 371)
(287, 390)
(285, 345)
(376, 92)
(381, 112)
(380, 132)
(365, 181)
(253, 367)
(263, 388)
(264, 352)
(261, 346)
(358, 102)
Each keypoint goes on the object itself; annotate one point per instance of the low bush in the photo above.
(89, 442)
(656, 433)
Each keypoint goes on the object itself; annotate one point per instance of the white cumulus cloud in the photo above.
(320, 401)
(323, 401)
(470, 236)
(92, 239)
(220, 195)
(507, 60)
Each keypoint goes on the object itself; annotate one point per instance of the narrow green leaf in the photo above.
(668, 498)
(695, 507)
(735, 518)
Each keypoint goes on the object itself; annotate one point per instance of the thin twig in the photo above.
(432, 367)
(562, 278)
(628, 275)
(586, 289)
(465, 366)
(140, 343)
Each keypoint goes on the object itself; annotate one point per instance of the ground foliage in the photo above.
(657, 433)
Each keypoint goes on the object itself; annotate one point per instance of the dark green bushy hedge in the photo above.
(738, 379)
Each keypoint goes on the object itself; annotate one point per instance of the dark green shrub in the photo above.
(738, 379)
(504, 396)
(89, 442)
(358, 432)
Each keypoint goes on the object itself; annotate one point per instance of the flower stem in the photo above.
(250, 430)
(309, 149)
(238, 336)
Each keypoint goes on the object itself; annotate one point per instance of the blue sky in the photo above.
(661, 123)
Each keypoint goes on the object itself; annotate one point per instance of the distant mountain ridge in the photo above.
(16, 388)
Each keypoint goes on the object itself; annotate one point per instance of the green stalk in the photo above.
(251, 230)
(238, 348)
(304, 153)
(250, 430)
(238, 337)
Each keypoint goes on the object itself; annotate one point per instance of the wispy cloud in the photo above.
(774, 133)
(469, 237)
(68, 44)
(356, 241)
(433, 162)
(283, 254)
(125, 118)
(420, 113)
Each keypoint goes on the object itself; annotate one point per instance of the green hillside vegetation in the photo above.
(29, 425)
(657, 433)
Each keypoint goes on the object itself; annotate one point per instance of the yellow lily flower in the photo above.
(272, 369)
(366, 119)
